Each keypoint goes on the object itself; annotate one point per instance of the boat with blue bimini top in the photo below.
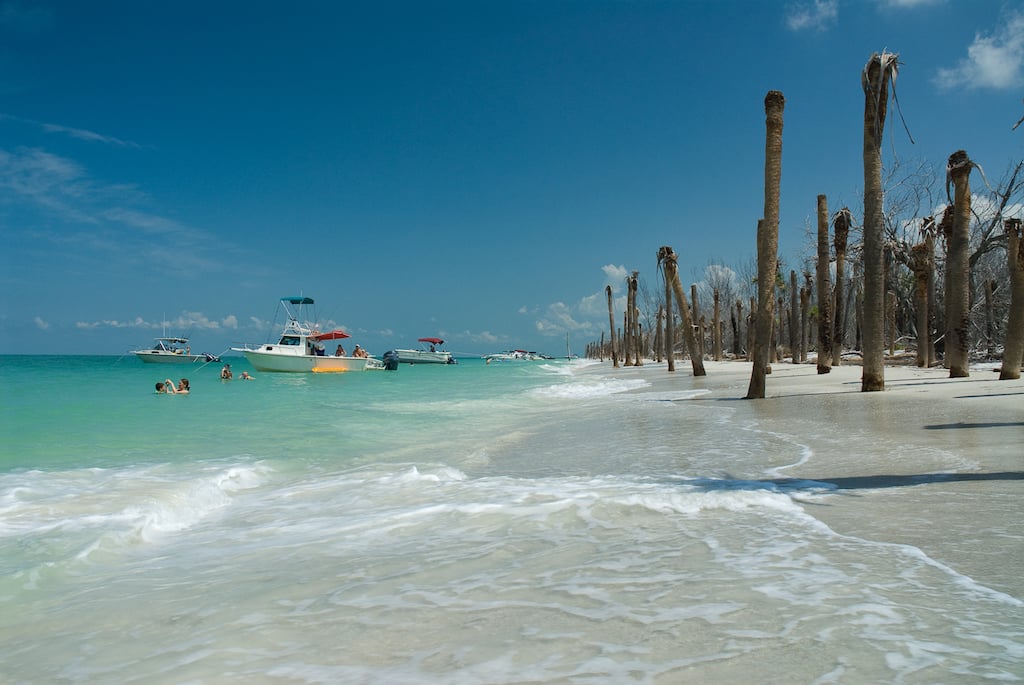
(301, 349)
(433, 355)
(173, 351)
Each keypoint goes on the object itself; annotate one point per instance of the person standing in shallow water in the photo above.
(225, 373)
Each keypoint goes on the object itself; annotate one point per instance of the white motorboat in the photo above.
(300, 349)
(515, 356)
(172, 351)
(433, 355)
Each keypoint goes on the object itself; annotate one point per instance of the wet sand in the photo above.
(931, 462)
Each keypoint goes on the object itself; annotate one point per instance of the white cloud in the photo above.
(615, 276)
(42, 325)
(82, 134)
(909, 4)
(816, 15)
(993, 61)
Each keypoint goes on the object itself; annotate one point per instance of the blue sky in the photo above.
(474, 170)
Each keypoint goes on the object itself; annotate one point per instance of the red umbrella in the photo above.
(336, 334)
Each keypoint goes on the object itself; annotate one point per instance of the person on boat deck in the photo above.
(319, 348)
(183, 386)
(359, 352)
(340, 352)
(225, 373)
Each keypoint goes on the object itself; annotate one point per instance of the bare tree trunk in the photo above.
(990, 319)
(875, 81)
(919, 265)
(716, 345)
(842, 234)
(737, 330)
(670, 337)
(611, 325)
(958, 324)
(669, 262)
(805, 312)
(794, 317)
(751, 328)
(767, 241)
(698, 320)
(932, 297)
(1013, 345)
(824, 291)
(890, 317)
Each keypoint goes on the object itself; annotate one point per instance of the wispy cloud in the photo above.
(91, 136)
(909, 4)
(40, 323)
(993, 60)
(816, 15)
(77, 133)
(184, 323)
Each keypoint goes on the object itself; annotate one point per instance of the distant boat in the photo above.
(172, 351)
(301, 347)
(431, 356)
(515, 356)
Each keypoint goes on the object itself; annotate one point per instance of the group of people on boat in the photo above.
(167, 387)
(358, 352)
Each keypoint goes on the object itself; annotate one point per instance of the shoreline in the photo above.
(931, 463)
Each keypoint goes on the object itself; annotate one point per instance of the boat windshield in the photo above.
(289, 340)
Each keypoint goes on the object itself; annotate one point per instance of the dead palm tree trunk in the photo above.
(958, 320)
(767, 242)
(669, 262)
(1013, 345)
(879, 70)
(670, 337)
(611, 325)
(794, 317)
(842, 223)
(919, 265)
(716, 336)
(824, 291)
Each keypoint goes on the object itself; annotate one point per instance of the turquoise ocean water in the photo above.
(511, 523)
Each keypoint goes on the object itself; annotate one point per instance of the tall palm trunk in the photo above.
(958, 319)
(824, 291)
(669, 262)
(611, 325)
(794, 317)
(716, 336)
(767, 242)
(1013, 346)
(842, 223)
(670, 337)
(875, 81)
(919, 265)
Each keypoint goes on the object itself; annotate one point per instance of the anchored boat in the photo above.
(428, 356)
(172, 351)
(301, 348)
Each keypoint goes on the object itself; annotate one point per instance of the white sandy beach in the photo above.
(932, 462)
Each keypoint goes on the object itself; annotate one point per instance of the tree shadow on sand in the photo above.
(851, 482)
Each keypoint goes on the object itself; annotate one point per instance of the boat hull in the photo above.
(272, 358)
(423, 357)
(156, 357)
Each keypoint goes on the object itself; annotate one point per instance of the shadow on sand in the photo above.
(852, 482)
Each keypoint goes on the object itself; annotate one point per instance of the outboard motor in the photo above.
(390, 360)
